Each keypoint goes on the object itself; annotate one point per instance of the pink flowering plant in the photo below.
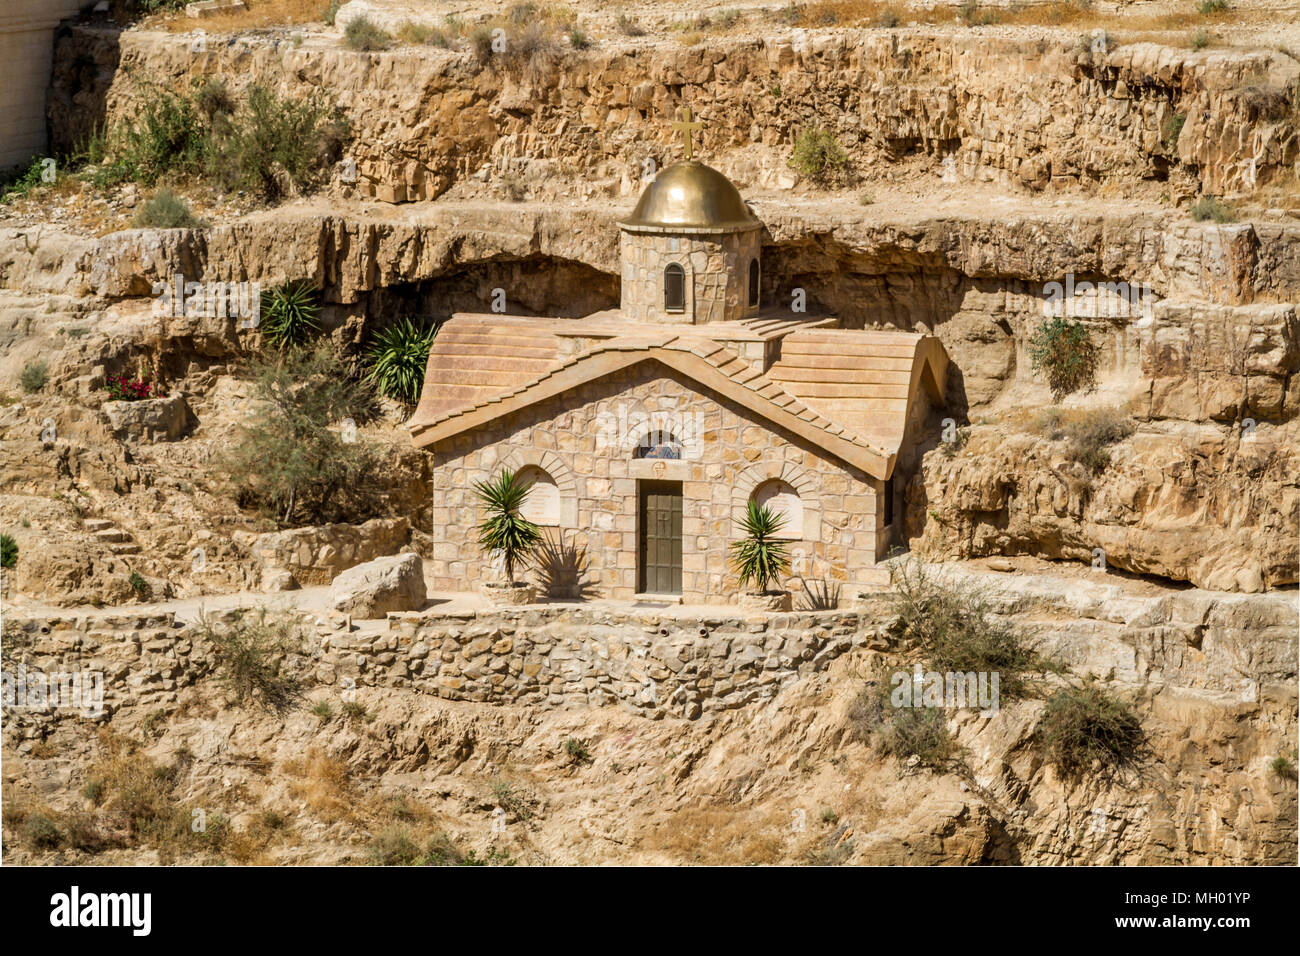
(123, 389)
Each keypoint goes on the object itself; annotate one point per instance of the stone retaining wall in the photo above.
(557, 656)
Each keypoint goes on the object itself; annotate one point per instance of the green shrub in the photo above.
(323, 710)
(265, 143)
(512, 799)
(332, 11)
(20, 182)
(1281, 766)
(398, 356)
(578, 749)
(165, 210)
(290, 460)
(629, 27)
(1199, 40)
(249, 654)
(1171, 130)
(1209, 7)
(289, 314)
(1210, 208)
(818, 155)
(1083, 726)
(760, 557)
(354, 712)
(361, 34)
(394, 847)
(8, 551)
(34, 376)
(954, 627)
(166, 135)
(280, 144)
(578, 37)
(139, 586)
(1063, 350)
(41, 832)
(901, 732)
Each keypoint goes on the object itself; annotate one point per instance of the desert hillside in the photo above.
(1121, 546)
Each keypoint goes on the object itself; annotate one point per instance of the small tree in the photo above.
(290, 460)
(505, 529)
(760, 557)
(818, 155)
(250, 655)
(8, 551)
(1062, 350)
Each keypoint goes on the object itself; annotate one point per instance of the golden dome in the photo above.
(689, 197)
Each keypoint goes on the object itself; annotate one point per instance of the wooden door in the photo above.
(661, 537)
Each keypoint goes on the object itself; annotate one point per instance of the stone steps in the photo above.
(109, 534)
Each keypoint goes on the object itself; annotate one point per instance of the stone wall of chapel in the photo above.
(716, 268)
(593, 431)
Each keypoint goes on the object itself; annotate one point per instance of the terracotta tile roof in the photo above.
(848, 391)
(477, 357)
(865, 381)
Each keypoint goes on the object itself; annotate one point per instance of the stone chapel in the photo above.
(645, 430)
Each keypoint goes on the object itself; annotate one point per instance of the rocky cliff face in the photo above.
(1189, 503)
(993, 166)
(1030, 113)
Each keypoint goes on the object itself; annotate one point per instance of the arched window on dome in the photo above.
(753, 283)
(542, 506)
(674, 288)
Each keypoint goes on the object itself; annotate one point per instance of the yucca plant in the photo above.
(760, 557)
(397, 359)
(505, 529)
(290, 313)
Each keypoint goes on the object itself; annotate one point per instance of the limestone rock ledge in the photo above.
(1186, 502)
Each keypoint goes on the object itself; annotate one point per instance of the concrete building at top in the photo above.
(26, 59)
(646, 430)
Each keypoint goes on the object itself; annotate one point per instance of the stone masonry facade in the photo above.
(585, 440)
(717, 275)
